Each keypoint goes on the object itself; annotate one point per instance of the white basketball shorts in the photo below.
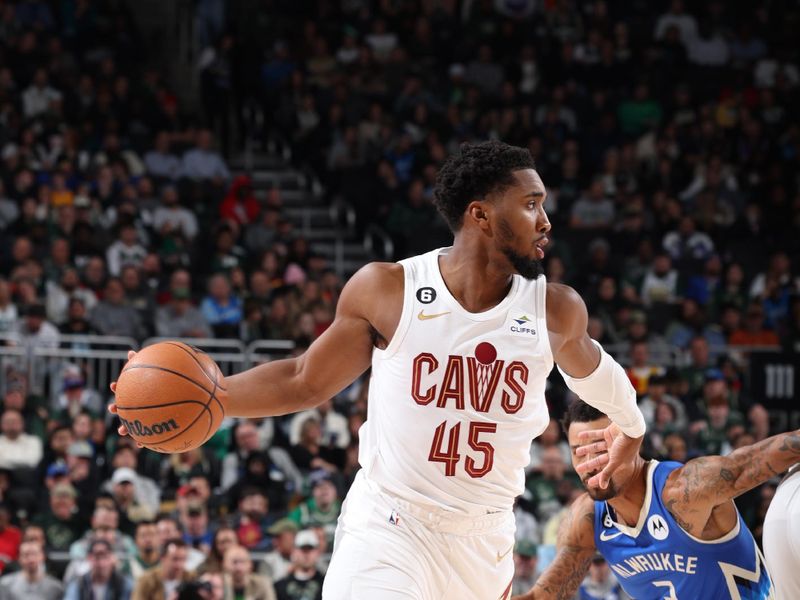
(781, 538)
(387, 549)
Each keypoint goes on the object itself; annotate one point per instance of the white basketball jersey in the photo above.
(457, 397)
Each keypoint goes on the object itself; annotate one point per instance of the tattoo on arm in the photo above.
(712, 480)
(575, 551)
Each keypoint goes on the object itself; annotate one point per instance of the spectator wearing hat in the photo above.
(277, 563)
(103, 580)
(147, 493)
(197, 532)
(304, 581)
(180, 318)
(83, 474)
(124, 489)
(62, 523)
(240, 581)
(161, 582)
(600, 583)
(17, 448)
(525, 567)
(323, 507)
(32, 581)
(75, 397)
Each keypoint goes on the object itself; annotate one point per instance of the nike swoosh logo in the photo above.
(423, 317)
(605, 537)
(504, 554)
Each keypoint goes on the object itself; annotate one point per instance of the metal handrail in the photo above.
(341, 208)
(374, 231)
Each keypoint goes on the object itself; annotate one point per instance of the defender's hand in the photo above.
(614, 449)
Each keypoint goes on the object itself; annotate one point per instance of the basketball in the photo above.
(171, 397)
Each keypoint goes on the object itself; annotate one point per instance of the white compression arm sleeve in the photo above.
(609, 390)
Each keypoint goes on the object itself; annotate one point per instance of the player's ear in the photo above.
(478, 213)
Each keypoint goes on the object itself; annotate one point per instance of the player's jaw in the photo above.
(598, 493)
(529, 266)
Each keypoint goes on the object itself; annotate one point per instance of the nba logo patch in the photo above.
(394, 518)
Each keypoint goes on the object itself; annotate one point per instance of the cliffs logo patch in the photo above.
(657, 527)
(139, 429)
(426, 295)
(523, 326)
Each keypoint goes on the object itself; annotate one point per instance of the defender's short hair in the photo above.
(579, 412)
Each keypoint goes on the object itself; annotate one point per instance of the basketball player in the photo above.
(781, 537)
(668, 530)
(460, 341)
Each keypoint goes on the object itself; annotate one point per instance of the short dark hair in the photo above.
(176, 543)
(478, 170)
(579, 412)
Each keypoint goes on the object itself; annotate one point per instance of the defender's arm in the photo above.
(691, 492)
(575, 550)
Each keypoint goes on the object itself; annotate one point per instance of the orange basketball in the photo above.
(171, 397)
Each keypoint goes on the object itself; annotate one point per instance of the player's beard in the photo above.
(529, 268)
(598, 493)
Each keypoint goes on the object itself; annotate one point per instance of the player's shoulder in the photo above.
(375, 282)
(378, 275)
(578, 525)
(565, 308)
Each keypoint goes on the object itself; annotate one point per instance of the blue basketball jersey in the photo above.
(658, 560)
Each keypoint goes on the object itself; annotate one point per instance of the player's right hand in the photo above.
(112, 408)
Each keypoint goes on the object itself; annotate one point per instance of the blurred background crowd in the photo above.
(668, 139)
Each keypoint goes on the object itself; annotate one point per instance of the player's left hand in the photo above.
(613, 449)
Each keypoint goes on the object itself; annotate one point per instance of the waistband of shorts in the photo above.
(440, 520)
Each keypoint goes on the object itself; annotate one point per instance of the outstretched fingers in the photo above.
(598, 462)
(593, 448)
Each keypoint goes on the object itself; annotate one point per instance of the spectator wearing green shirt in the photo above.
(322, 508)
(640, 114)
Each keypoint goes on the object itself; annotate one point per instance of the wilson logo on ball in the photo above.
(138, 429)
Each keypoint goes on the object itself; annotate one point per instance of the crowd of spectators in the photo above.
(667, 137)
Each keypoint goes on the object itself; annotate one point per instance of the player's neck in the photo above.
(628, 504)
(476, 279)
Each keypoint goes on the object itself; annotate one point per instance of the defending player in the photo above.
(668, 530)
(461, 341)
(781, 537)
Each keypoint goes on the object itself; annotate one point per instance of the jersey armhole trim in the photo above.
(541, 310)
(404, 324)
